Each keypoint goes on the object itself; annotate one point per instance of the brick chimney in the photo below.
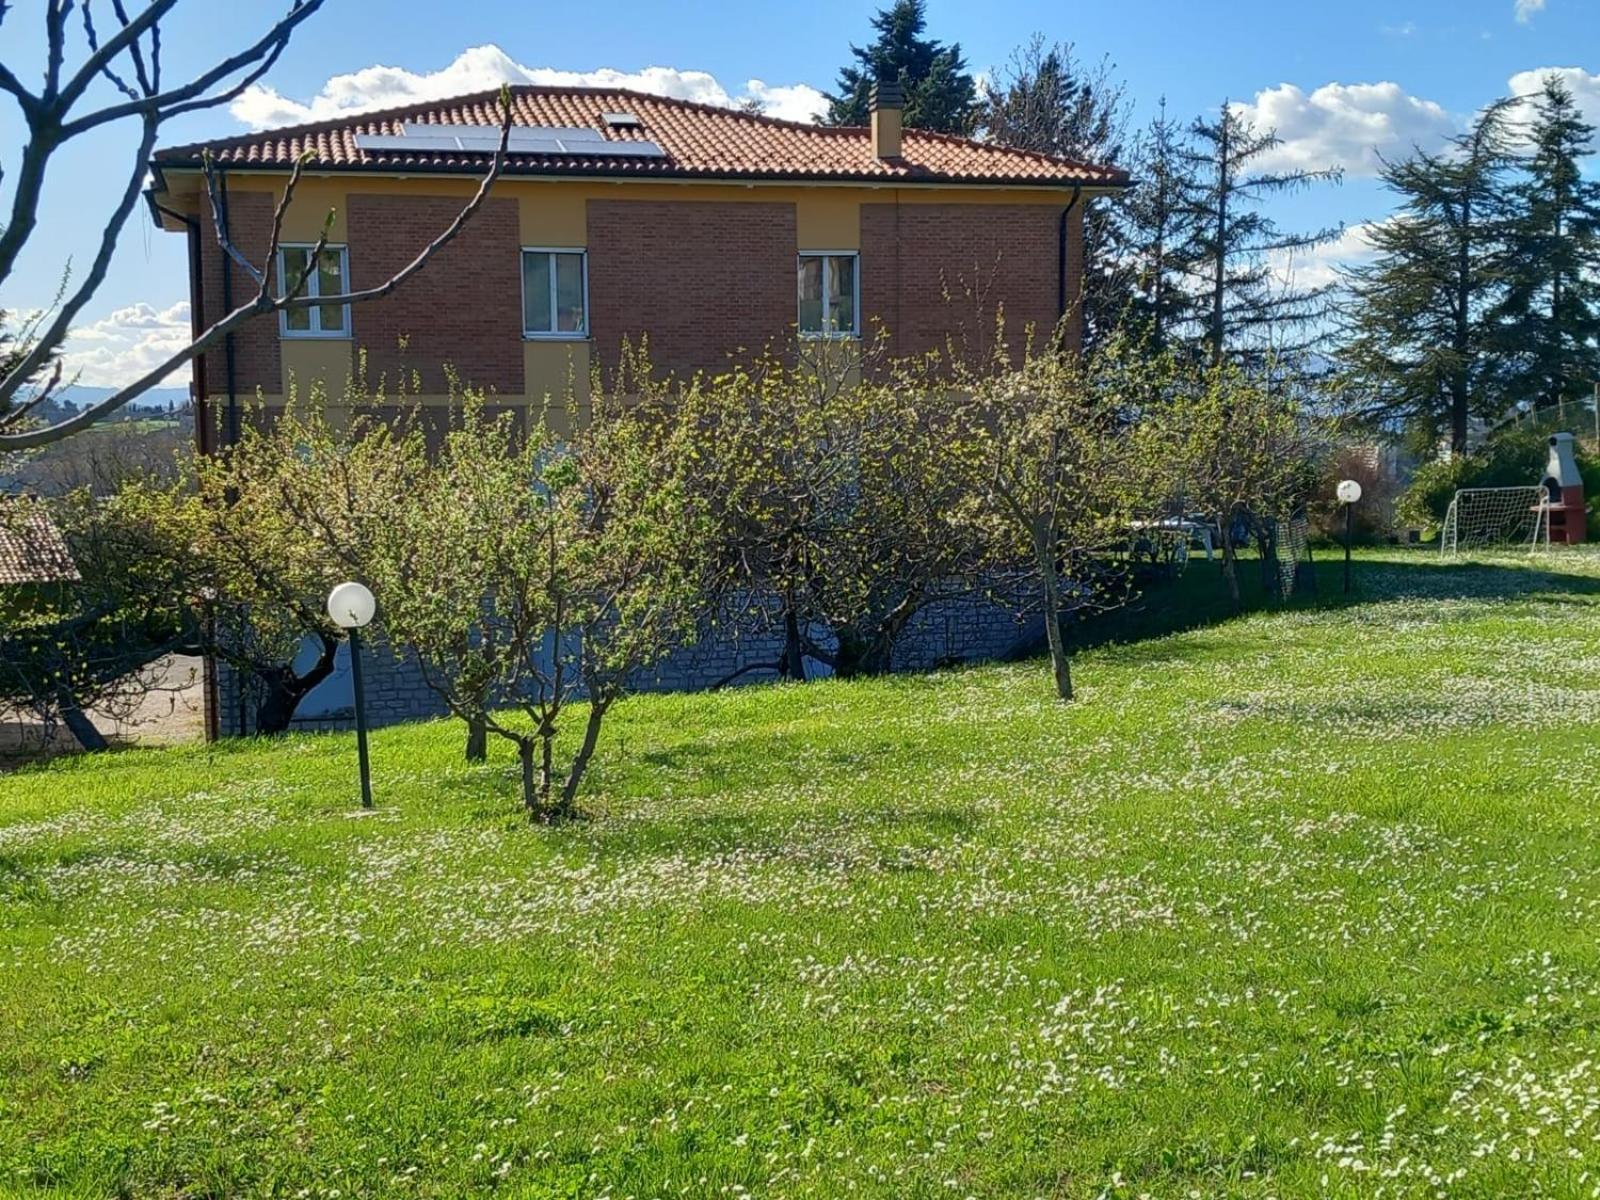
(886, 103)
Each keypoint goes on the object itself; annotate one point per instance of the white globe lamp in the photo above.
(351, 607)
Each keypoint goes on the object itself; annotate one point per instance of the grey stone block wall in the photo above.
(965, 626)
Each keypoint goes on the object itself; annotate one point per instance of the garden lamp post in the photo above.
(1348, 491)
(351, 606)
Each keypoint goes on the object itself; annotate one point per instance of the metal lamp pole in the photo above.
(1348, 491)
(351, 606)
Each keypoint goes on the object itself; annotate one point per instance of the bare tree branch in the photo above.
(191, 96)
(264, 302)
(52, 337)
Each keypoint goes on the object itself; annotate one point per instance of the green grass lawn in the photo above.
(1302, 904)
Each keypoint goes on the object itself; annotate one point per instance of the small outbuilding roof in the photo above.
(32, 549)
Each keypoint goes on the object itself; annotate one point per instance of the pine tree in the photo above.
(1157, 231)
(1421, 349)
(1247, 310)
(940, 93)
(1045, 101)
(1549, 320)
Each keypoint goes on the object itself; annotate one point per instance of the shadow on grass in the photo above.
(1198, 599)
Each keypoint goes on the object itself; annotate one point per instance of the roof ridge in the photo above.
(351, 122)
(330, 124)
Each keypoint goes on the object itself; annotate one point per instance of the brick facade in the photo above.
(934, 273)
(703, 280)
(464, 309)
(255, 344)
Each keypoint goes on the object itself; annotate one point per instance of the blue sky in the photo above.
(1339, 81)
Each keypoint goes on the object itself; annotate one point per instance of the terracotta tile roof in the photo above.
(699, 140)
(32, 549)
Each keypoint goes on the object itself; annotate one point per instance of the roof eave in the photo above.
(679, 175)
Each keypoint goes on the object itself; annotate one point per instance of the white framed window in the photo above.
(830, 293)
(331, 277)
(555, 292)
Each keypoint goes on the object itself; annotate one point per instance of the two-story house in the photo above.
(710, 230)
(619, 215)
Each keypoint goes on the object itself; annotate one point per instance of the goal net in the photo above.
(1500, 518)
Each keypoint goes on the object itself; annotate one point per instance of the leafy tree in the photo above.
(1549, 319)
(1063, 474)
(1420, 338)
(532, 572)
(1245, 309)
(279, 519)
(1044, 100)
(1233, 443)
(940, 93)
(92, 643)
(833, 490)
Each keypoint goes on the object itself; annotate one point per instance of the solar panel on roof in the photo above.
(523, 139)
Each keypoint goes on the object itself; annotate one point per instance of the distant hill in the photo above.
(161, 398)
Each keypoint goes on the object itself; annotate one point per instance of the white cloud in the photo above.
(485, 67)
(1319, 266)
(1525, 9)
(1347, 125)
(120, 348)
(1584, 86)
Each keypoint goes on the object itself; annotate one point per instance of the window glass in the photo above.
(327, 279)
(569, 293)
(330, 282)
(811, 316)
(841, 293)
(536, 293)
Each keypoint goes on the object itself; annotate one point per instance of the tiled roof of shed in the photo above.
(32, 549)
(698, 140)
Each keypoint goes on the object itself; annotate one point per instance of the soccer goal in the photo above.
(1500, 518)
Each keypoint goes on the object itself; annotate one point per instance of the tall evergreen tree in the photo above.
(1044, 100)
(1246, 308)
(1549, 320)
(1421, 345)
(940, 93)
(1158, 234)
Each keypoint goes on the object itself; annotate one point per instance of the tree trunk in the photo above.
(477, 738)
(530, 787)
(1230, 566)
(852, 657)
(80, 726)
(793, 663)
(1060, 662)
(580, 764)
(285, 689)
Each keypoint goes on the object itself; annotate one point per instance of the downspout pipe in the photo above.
(204, 441)
(228, 355)
(1061, 266)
